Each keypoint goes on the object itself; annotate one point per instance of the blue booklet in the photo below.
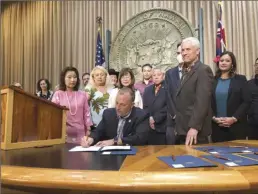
(226, 149)
(185, 161)
(132, 151)
(231, 160)
(251, 156)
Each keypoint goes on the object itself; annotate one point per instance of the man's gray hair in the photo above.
(158, 68)
(195, 42)
(127, 90)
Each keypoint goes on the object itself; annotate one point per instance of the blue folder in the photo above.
(226, 149)
(234, 160)
(185, 161)
(124, 152)
(251, 156)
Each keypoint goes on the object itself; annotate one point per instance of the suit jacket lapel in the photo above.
(176, 76)
(128, 123)
(152, 95)
(160, 90)
(187, 77)
(232, 83)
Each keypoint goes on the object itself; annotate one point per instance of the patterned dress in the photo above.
(98, 103)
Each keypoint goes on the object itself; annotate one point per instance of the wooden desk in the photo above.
(54, 168)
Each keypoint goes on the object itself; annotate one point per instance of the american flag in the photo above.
(221, 37)
(100, 58)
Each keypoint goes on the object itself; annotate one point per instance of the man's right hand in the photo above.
(217, 120)
(86, 141)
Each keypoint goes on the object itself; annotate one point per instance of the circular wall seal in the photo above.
(149, 37)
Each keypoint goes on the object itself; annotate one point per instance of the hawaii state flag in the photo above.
(220, 38)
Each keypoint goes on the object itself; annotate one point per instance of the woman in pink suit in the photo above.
(78, 116)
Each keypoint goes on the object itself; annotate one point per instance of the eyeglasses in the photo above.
(126, 77)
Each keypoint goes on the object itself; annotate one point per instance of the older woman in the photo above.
(98, 90)
(78, 117)
(43, 88)
(230, 101)
(125, 79)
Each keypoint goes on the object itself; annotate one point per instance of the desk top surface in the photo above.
(55, 167)
(59, 157)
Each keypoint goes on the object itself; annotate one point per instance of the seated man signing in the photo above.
(122, 125)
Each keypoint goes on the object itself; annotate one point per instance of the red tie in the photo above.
(157, 87)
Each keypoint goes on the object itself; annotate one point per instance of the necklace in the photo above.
(70, 110)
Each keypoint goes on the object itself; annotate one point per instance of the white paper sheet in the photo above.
(82, 149)
(116, 148)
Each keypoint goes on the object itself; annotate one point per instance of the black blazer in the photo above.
(238, 103)
(253, 110)
(172, 83)
(239, 98)
(135, 130)
(156, 106)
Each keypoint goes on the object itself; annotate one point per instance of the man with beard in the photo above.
(253, 112)
(147, 73)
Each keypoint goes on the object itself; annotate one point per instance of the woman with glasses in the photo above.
(126, 79)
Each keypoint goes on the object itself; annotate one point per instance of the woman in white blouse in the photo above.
(125, 79)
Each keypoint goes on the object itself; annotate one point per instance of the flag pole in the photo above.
(200, 17)
(99, 22)
(100, 56)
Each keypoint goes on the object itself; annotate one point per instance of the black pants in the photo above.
(170, 135)
(156, 138)
(235, 132)
(253, 132)
(180, 139)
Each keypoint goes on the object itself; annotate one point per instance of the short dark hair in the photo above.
(47, 82)
(234, 64)
(147, 65)
(62, 85)
(178, 44)
(128, 90)
(256, 60)
(123, 72)
(85, 74)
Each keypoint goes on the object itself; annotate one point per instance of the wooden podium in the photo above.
(30, 121)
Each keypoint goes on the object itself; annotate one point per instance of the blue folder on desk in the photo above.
(132, 151)
(251, 156)
(234, 160)
(226, 149)
(185, 161)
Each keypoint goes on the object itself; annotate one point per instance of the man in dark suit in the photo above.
(124, 124)
(154, 103)
(193, 98)
(172, 82)
(253, 112)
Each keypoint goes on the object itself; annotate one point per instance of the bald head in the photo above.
(124, 101)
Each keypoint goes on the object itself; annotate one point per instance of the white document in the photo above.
(231, 164)
(110, 148)
(82, 149)
(178, 165)
(106, 153)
